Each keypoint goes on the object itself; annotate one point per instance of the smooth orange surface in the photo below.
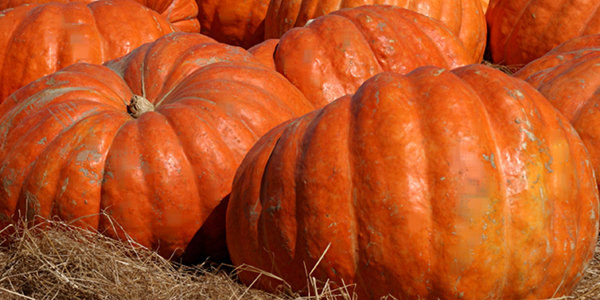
(181, 13)
(463, 184)
(265, 52)
(234, 22)
(69, 149)
(569, 77)
(336, 53)
(38, 40)
(521, 31)
(465, 18)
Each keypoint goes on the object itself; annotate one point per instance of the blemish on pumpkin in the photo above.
(64, 186)
(438, 72)
(42, 141)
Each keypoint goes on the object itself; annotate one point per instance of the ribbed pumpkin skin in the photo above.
(69, 147)
(181, 13)
(333, 55)
(465, 18)
(568, 76)
(436, 185)
(265, 52)
(38, 40)
(521, 31)
(234, 22)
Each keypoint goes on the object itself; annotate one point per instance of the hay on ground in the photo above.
(66, 262)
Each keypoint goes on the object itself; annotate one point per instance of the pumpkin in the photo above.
(265, 52)
(485, 4)
(521, 31)
(234, 22)
(334, 54)
(151, 139)
(465, 18)
(38, 40)
(181, 13)
(463, 184)
(568, 77)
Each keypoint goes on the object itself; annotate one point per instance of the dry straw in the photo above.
(66, 262)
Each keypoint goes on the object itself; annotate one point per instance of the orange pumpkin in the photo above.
(181, 13)
(463, 184)
(568, 76)
(465, 18)
(334, 54)
(521, 31)
(234, 22)
(153, 139)
(38, 40)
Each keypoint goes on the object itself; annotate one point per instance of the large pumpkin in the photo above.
(465, 18)
(569, 77)
(181, 13)
(38, 40)
(153, 139)
(336, 53)
(234, 22)
(463, 184)
(521, 31)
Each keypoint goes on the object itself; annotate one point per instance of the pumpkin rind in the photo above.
(521, 31)
(181, 13)
(69, 149)
(435, 185)
(568, 77)
(234, 22)
(38, 40)
(465, 18)
(336, 53)
(265, 52)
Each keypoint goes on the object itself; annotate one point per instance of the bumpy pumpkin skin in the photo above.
(568, 77)
(521, 31)
(436, 185)
(465, 18)
(69, 148)
(234, 22)
(38, 40)
(181, 13)
(334, 54)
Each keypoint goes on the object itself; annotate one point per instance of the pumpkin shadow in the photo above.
(209, 243)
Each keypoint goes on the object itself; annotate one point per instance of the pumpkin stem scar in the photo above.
(138, 106)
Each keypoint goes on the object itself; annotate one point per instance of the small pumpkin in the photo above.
(463, 184)
(521, 31)
(181, 13)
(465, 18)
(152, 139)
(568, 77)
(38, 40)
(334, 54)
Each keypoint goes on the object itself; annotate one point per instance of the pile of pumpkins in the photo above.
(359, 142)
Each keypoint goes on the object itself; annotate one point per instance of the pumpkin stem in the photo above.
(138, 106)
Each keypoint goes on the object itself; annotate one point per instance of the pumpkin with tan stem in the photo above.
(336, 53)
(465, 18)
(568, 76)
(521, 31)
(152, 138)
(181, 13)
(38, 40)
(463, 184)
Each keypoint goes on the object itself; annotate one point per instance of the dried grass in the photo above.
(66, 262)
(509, 70)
